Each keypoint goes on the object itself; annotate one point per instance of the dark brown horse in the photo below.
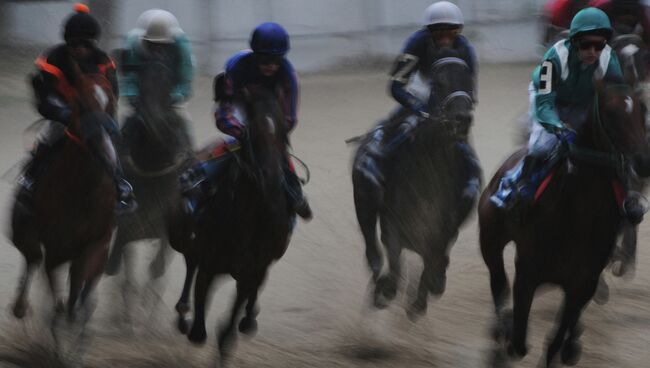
(73, 202)
(421, 207)
(568, 236)
(155, 149)
(243, 227)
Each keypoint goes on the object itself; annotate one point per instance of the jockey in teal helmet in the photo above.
(561, 94)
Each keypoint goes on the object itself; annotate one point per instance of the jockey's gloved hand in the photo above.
(64, 116)
(566, 135)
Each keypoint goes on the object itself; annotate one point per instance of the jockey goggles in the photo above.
(586, 45)
(268, 59)
(449, 31)
(81, 42)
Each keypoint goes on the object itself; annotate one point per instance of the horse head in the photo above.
(157, 136)
(632, 54)
(618, 124)
(93, 116)
(452, 89)
(266, 137)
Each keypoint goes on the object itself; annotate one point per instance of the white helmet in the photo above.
(443, 12)
(159, 26)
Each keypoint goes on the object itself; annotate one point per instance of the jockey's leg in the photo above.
(298, 201)
(384, 139)
(519, 184)
(197, 182)
(126, 202)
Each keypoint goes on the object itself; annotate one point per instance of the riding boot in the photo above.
(297, 199)
(126, 202)
(369, 164)
(197, 182)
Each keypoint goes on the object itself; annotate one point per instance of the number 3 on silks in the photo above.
(545, 78)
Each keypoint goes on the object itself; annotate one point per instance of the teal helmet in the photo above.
(590, 20)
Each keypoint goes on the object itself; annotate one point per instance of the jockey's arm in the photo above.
(128, 80)
(183, 90)
(224, 111)
(50, 104)
(400, 76)
(293, 93)
(544, 80)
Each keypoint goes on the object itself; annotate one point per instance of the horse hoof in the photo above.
(416, 310)
(438, 285)
(601, 296)
(20, 310)
(517, 352)
(197, 336)
(157, 268)
(59, 306)
(387, 287)
(183, 325)
(248, 326)
(571, 352)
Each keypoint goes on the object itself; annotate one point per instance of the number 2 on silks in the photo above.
(545, 78)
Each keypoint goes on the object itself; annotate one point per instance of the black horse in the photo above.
(243, 227)
(421, 207)
(571, 231)
(156, 148)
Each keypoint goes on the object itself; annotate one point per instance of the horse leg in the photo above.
(574, 301)
(204, 278)
(76, 283)
(116, 256)
(25, 239)
(419, 305)
(159, 263)
(492, 243)
(226, 334)
(53, 282)
(624, 259)
(524, 290)
(183, 304)
(367, 213)
(94, 261)
(248, 324)
(386, 285)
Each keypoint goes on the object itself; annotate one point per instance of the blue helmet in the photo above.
(270, 38)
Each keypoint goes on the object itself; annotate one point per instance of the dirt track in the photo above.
(313, 309)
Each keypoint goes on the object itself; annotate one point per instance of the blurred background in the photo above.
(315, 304)
(324, 34)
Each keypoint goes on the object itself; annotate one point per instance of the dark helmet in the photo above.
(270, 38)
(626, 6)
(81, 25)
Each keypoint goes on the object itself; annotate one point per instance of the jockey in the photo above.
(627, 17)
(53, 85)
(410, 86)
(157, 37)
(561, 95)
(265, 66)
